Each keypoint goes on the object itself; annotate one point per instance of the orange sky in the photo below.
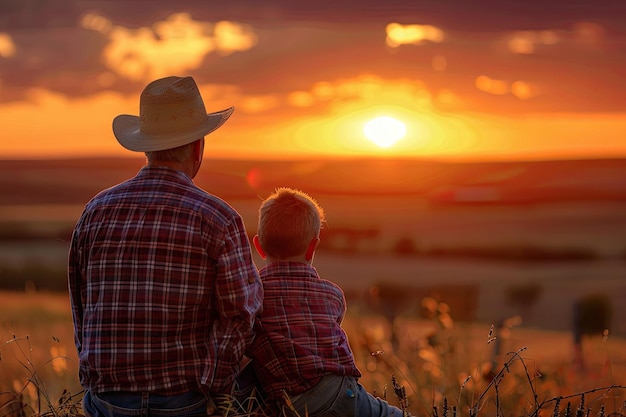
(307, 88)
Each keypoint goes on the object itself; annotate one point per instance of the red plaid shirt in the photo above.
(163, 288)
(299, 335)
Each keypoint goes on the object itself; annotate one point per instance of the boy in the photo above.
(300, 351)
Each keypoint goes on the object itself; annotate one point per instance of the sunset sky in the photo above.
(460, 79)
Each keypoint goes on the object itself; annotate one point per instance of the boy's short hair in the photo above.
(288, 220)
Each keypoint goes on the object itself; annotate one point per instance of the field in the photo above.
(488, 250)
(433, 359)
(511, 245)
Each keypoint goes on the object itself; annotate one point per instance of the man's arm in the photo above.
(238, 300)
(74, 271)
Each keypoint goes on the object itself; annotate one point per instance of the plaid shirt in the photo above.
(163, 288)
(299, 335)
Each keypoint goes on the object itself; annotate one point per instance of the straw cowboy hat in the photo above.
(171, 114)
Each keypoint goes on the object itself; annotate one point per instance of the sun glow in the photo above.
(384, 131)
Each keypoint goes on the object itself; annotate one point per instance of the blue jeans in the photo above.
(337, 396)
(124, 404)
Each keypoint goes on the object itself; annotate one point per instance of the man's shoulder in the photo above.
(191, 196)
(210, 203)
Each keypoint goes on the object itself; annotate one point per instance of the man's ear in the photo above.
(257, 246)
(198, 150)
(310, 250)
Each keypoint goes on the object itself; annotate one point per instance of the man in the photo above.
(164, 292)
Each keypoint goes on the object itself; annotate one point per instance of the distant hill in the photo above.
(74, 181)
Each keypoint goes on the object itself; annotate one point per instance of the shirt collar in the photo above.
(162, 171)
(289, 267)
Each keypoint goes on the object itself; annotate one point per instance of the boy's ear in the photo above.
(257, 246)
(310, 250)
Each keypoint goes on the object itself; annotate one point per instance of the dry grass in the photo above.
(437, 366)
(37, 354)
(473, 369)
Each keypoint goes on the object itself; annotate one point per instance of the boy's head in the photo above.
(289, 225)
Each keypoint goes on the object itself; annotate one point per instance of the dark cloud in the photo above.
(302, 43)
(471, 15)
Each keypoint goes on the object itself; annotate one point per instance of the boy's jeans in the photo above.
(339, 396)
(124, 404)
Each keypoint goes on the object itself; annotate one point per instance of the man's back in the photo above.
(150, 251)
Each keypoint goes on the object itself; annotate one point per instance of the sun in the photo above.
(384, 131)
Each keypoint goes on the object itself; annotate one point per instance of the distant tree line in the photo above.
(354, 241)
(349, 241)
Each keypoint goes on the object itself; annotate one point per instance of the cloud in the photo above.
(7, 47)
(526, 42)
(398, 34)
(175, 45)
(582, 35)
(523, 90)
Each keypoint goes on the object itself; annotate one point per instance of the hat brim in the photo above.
(126, 129)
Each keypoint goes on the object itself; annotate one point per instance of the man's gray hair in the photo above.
(179, 154)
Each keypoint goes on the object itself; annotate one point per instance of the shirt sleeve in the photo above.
(238, 300)
(74, 278)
